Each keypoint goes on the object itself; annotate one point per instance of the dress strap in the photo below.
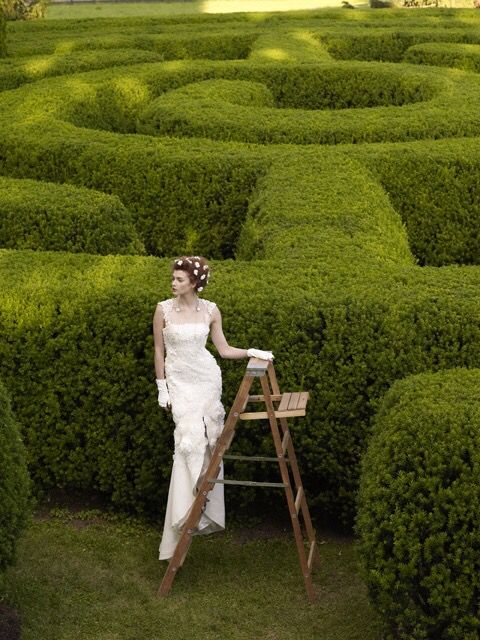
(211, 306)
(167, 306)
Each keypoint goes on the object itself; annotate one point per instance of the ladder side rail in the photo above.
(205, 487)
(288, 490)
(311, 534)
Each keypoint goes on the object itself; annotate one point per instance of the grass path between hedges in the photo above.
(76, 10)
(90, 576)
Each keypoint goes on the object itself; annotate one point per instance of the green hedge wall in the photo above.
(419, 507)
(324, 273)
(14, 482)
(358, 315)
(438, 199)
(45, 216)
(392, 45)
(13, 74)
(461, 56)
(3, 37)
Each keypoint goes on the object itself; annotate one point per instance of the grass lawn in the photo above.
(90, 576)
(125, 9)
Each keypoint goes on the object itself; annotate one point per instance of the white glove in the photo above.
(163, 397)
(258, 353)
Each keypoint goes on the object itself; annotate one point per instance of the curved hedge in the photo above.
(14, 482)
(14, 74)
(419, 507)
(45, 216)
(392, 44)
(461, 56)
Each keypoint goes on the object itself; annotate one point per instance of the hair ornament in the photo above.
(179, 263)
(205, 267)
(200, 289)
(202, 277)
(195, 272)
(197, 264)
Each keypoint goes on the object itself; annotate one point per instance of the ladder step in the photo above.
(260, 398)
(263, 415)
(251, 458)
(249, 483)
(298, 499)
(291, 401)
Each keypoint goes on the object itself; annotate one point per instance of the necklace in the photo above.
(178, 308)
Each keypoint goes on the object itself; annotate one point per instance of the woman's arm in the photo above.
(158, 323)
(220, 342)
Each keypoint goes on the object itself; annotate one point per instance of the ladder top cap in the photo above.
(257, 367)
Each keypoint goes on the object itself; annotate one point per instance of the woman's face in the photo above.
(181, 284)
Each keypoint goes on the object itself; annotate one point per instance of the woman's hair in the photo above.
(196, 268)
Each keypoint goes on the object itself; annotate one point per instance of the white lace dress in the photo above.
(194, 383)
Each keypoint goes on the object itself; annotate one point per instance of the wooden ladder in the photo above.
(289, 405)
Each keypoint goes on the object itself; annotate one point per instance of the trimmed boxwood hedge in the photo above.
(359, 314)
(324, 276)
(419, 507)
(461, 56)
(392, 45)
(14, 482)
(13, 74)
(438, 199)
(46, 216)
(3, 37)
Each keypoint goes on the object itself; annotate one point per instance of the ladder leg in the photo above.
(205, 487)
(303, 507)
(288, 489)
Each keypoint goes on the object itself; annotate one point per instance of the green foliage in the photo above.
(322, 235)
(13, 74)
(461, 56)
(39, 215)
(392, 44)
(3, 36)
(439, 201)
(419, 507)
(14, 482)
(24, 9)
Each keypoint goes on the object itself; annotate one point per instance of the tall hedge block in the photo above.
(14, 482)
(42, 216)
(419, 507)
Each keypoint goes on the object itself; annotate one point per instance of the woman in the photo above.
(189, 383)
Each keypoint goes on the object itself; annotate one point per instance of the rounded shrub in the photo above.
(419, 507)
(14, 482)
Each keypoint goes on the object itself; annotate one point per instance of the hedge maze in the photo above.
(328, 162)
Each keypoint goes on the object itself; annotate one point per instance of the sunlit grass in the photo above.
(125, 9)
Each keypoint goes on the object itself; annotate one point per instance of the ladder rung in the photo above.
(298, 499)
(251, 458)
(285, 441)
(263, 415)
(249, 483)
(310, 555)
(274, 397)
